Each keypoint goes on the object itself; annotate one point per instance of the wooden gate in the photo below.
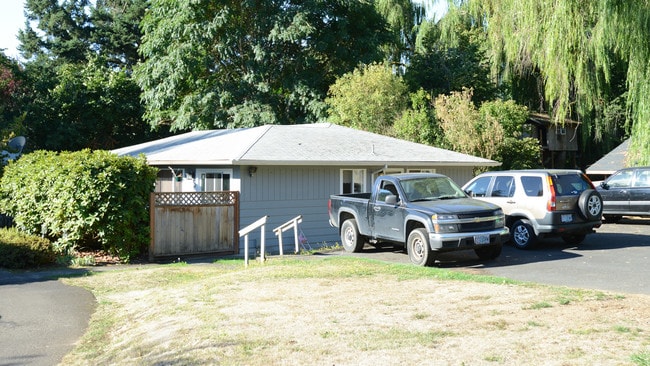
(191, 223)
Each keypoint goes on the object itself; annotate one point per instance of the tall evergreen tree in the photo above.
(80, 55)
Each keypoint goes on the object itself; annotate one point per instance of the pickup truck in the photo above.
(426, 213)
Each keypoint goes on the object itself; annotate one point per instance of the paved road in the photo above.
(40, 318)
(616, 258)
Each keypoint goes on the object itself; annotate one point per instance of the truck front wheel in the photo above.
(418, 248)
(350, 237)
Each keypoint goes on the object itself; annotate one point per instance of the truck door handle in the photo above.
(377, 208)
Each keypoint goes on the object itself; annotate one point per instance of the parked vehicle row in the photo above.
(429, 214)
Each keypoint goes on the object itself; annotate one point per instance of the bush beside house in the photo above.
(81, 199)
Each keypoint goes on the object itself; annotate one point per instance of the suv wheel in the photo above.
(522, 234)
(591, 205)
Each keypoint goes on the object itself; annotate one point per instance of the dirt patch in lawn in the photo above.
(268, 315)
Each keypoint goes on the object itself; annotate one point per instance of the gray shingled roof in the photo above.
(613, 161)
(306, 144)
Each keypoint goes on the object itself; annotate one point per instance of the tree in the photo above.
(445, 63)
(80, 92)
(370, 98)
(12, 97)
(418, 123)
(239, 64)
(575, 45)
(494, 131)
(72, 31)
(87, 106)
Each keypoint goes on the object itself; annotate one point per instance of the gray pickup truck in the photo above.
(426, 213)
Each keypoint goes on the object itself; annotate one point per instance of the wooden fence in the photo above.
(193, 223)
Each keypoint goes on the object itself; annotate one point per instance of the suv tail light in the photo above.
(550, 205)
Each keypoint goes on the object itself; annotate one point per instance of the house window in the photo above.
(353, 180)
(214, 180)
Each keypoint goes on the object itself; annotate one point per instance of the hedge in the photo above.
(79, 199)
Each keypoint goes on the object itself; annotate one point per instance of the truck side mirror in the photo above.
(391, 199)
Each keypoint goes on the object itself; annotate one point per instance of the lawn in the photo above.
(351, 311)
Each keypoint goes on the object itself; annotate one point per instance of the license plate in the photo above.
(481, 239)
(567, 218)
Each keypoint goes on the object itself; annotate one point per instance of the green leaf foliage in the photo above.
(86, 106)
(577, 47)
(493, 131)
(227, 64)
(21, 250)
(81, 199)
(418, 123)
(370, 98)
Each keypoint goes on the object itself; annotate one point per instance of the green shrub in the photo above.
(21, 250)
(81, 199)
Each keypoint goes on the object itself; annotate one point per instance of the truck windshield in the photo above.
(429, 189)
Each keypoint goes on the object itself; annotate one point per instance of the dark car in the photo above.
(626, 193)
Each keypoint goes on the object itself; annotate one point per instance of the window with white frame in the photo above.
(353, 180)
(214, 179)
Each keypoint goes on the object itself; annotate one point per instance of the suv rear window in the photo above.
(569, 184)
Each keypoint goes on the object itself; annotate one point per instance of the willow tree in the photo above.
(574, 44)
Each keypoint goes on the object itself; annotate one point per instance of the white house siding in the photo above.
(284, 192)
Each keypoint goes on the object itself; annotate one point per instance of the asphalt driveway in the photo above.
(41, 319)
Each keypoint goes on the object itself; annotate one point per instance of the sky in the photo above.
(12, 19)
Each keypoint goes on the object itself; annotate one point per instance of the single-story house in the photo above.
(288, 170)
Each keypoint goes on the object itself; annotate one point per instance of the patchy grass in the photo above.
(345, 310)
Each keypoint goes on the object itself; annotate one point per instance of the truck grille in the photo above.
(476, 226)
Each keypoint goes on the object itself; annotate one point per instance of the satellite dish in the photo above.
(17, 143)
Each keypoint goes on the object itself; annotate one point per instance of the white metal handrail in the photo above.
(293, 223)
(245, 231)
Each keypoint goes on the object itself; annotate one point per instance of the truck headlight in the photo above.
(445, 223)
(501, 219)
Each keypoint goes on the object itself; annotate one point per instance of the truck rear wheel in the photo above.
(350, 237)
(418, 248)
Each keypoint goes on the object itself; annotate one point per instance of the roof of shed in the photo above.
(612, 161)
(304, 144)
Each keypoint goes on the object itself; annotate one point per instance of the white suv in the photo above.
(541, 202)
